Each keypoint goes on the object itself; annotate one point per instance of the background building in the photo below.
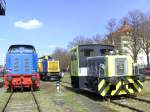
(121, 40)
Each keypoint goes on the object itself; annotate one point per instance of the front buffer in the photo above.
(21, 81)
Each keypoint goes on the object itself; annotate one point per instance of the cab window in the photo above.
(105, 51)
(87, 52)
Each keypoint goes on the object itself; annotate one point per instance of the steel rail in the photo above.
(35, 100)
(126, 106)
(3, 110)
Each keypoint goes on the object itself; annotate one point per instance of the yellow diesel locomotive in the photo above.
(49, 68)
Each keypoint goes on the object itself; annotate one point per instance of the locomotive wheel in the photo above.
(75, 82)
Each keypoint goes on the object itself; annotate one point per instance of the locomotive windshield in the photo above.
(86, 52)
(21, 49)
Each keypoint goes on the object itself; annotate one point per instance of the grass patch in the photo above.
(71, 101)
(52, 101)
(146, 89)
(66, 77)
(1, 79)
(3, 98)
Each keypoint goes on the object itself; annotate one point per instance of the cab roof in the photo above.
(92, 45)
(21, 45)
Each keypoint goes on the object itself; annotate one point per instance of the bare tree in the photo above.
(135, 18)
(123, 20)
(80, 40)
(64, 57)
(111, 27)
(98, 39)
(145, 34)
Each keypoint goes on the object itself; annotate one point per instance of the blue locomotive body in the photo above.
(21, 67)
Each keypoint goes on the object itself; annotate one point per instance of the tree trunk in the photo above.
(147, 59)
(135, 59)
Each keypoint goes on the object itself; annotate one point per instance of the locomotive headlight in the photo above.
(9, 78)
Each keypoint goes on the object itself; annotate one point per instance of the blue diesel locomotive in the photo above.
(21, 68)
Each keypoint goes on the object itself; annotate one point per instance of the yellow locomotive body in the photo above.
(49, 68)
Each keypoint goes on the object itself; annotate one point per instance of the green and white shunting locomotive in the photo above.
(94, 70)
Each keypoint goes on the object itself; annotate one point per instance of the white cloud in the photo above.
(29, 25)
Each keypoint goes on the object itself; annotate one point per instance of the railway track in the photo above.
(21, 102)
(130, 105)
(126, 106)
(139, 99)
(119, 102)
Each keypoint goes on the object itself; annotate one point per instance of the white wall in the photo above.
(141, 58)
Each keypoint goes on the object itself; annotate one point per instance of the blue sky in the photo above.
(57, 22)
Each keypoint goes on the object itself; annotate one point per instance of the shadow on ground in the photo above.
(95, 96)
(90, 95)
(18, 90)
